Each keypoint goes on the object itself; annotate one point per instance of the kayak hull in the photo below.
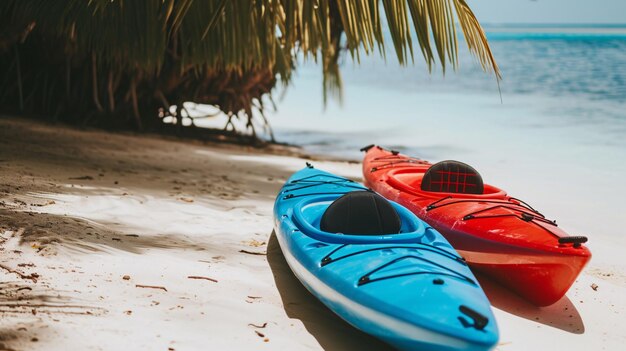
(498, 235)
(385, 285)
(539, 276)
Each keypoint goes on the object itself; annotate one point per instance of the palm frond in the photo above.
(215, 51)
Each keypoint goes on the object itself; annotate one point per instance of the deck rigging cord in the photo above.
(523, 211)
(309, 182)
(428, 247)
(364, 279)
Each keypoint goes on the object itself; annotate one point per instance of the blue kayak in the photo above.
(409, 287)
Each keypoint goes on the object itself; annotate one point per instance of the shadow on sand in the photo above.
(561, 315)
(87, 236)
(17, 297)
(332, 332)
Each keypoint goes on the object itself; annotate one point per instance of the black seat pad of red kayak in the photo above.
(361, 212)
(452, 177)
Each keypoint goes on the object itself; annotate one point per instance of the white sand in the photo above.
(160, 211)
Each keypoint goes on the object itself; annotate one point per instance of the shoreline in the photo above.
(214, 137)
(100, 232)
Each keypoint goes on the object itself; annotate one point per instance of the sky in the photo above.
(549, 11)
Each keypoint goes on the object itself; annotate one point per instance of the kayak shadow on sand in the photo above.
(561, 315)
(332, 332)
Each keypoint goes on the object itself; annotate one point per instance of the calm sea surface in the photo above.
(558, 137)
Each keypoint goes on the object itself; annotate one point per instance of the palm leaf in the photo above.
(215, 51)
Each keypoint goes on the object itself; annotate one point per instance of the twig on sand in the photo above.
(87, 313)
(253, 253)
(199, 277)
(251, 299)
(87, 177)
(46, 305)
(32, 276)
(150, 287)
(258, 326)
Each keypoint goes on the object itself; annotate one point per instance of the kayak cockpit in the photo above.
(406, 179)
(308, 216)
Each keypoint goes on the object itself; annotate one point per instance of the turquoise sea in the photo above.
(556, 135)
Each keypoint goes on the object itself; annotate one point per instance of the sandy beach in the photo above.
(118, 241)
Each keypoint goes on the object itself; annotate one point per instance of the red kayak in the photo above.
(498, 235)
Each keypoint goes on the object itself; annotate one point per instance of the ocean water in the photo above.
(554, 134)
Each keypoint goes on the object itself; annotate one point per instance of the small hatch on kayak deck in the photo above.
(452, 177)
(361, 212)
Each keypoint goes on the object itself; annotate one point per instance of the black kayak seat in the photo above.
(361, 212)
(452, 177)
